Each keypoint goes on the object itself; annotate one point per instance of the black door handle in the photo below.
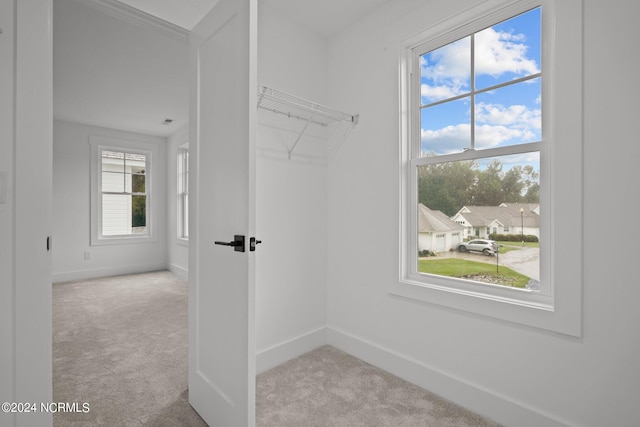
(237, 243)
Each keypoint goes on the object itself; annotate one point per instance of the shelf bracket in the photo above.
(304, 129)
(311, 113)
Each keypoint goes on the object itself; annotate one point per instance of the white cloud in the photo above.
(496, 125)
(447, 69)
(524, 158)
(508, 162)
(497, 53)
(488, 136)
(517, 116)
(438, 92)
(449, 62)
(449, 139)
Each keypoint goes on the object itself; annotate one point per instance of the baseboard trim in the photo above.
(287, 350)
(180, 272)
(476, 398)
(67, 276)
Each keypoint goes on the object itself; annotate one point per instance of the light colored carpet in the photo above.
(327, 387)
(120, 344)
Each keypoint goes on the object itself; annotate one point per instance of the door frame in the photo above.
(29, 197)
(28, 375)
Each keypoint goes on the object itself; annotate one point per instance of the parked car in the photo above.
(487, 247)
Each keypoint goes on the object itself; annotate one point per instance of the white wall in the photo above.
(516, 375)
(71, 209)
(177, 249)
(291, 204)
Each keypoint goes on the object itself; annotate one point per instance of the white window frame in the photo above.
(182, 217)
(558, 305)
(98, 144)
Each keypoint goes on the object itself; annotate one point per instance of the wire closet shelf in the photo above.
(310, 113)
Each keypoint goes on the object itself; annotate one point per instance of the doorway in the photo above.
(122, 80)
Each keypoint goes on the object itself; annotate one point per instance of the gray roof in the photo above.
(508, 214)
(430, 221)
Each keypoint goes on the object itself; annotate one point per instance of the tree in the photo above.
(531, 185)
(533, 194)
(449, 186)
(446, 186)
(488, 189)
(138, 202)
(512, 184)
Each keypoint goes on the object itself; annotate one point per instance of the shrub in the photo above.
(426, 252)
(513, 237)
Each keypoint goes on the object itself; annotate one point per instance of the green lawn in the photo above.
(503, 249)
(473, 270)
(517, 245)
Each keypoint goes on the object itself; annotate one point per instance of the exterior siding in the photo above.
(117, 208)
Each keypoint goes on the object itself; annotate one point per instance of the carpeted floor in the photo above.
(327, 387)
(120, 345)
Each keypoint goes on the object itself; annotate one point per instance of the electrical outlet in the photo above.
(87, 255)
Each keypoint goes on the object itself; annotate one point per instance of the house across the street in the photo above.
(436, 232)
(508, 218)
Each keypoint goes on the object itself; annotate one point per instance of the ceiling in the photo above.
(183, 13)
(325, 17)
(123, 64)
(113, 73)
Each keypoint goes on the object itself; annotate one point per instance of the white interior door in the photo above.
(222, 168)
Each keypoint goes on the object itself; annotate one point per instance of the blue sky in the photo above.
(505, 116)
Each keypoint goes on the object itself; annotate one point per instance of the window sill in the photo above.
(498, 293)
(120, 240)
(518, 306)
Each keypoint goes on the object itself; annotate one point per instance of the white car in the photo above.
(487, 247)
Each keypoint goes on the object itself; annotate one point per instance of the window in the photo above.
(491, 119)
(477, 155)
(124, 193)
(183, 192)
(121, 191)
